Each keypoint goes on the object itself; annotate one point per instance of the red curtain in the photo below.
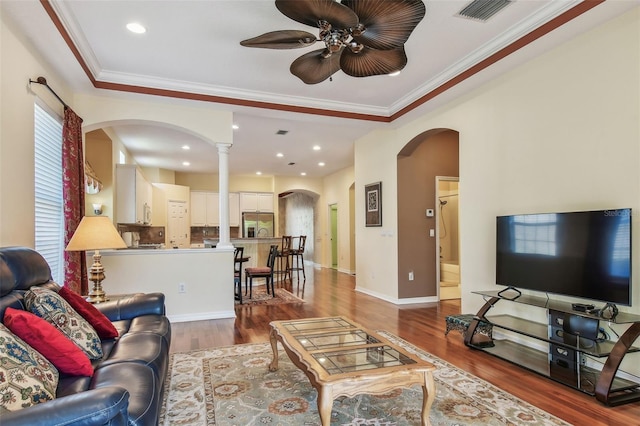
(75, 263)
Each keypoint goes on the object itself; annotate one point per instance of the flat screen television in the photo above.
(582, 254)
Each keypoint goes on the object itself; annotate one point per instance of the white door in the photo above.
(178, 224)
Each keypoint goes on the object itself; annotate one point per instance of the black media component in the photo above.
(581, 254)
(582, 307)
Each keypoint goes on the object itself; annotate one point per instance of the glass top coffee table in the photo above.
(342, 358)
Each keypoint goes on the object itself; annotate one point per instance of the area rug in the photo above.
(259, 296)
(232, 386)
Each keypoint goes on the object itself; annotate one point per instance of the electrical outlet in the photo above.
(410, 275)
(182, 288)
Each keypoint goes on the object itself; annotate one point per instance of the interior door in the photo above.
(178, 224)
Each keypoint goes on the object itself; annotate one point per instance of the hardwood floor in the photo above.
(327, 292)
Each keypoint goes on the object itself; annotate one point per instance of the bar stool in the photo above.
(282, 258)
(297, 259)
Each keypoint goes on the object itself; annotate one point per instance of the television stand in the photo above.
(567, 351)
(510, 288)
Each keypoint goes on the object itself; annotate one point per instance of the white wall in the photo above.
(206, 273)
(560, 133)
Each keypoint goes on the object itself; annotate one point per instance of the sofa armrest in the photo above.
(104, 406)
(132, 306)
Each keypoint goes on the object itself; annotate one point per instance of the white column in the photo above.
(223, 192)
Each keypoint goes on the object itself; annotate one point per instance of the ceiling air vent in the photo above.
(282, 132)
(482, 10)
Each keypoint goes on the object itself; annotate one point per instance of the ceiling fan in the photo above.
(361, 37)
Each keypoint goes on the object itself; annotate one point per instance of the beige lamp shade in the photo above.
(95, 233)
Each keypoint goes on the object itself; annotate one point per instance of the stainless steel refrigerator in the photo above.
(257, 225)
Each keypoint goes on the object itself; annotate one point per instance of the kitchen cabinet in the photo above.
(133, 196)
(205, 208)
(234, 209)
(256, 202)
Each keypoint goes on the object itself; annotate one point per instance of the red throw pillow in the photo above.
(97, 319)
(49, 341)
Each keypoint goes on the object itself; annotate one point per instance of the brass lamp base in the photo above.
(96, 275)
(97, 295)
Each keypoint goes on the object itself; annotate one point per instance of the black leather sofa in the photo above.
(127, 384)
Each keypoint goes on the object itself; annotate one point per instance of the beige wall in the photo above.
(17, 66)
(560, 133)
(336, 191)
(98, 152)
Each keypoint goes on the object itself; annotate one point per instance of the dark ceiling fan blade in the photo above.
(285, 39)
(314, 67)
(388, 23)
(370, 62)
(309, 12)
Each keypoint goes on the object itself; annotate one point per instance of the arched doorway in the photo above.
(430, 154)
(296, 216)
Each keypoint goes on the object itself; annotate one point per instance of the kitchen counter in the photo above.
(197, 283)
(256, 248)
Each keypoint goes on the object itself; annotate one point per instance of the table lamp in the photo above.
(96, 233)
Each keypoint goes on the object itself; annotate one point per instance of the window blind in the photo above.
(49, 226)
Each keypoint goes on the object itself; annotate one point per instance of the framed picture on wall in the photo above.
(373, 207)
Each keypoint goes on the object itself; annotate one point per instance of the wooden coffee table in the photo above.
(342, 358)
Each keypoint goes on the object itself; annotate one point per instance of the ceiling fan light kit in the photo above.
(362, 38)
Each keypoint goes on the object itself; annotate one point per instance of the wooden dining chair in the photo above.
(265, 272)
(238, 254)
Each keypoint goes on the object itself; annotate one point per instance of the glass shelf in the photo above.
(556, 305)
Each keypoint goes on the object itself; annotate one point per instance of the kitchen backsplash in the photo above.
(148, 234)
(201, 233)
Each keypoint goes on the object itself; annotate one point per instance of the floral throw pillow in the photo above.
(51, 307)
(26, 377)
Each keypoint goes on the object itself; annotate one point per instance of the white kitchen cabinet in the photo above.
(205, 208)
(133, 196)
(234, 209)
(256, 202)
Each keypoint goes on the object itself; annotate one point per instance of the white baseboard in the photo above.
(201, 316)
(397, 301)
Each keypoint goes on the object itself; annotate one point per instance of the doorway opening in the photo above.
(448, 254)
(333, 217)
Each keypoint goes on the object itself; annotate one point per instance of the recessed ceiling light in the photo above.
(303, 173)
(186, 147)
(321, 164)
(136, 28)
(235, 127)
(395, 73)
(316, 148)
(258, 173)
(279, 154)
(186, 163)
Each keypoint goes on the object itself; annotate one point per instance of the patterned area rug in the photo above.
(260, 297)
(233, 386)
